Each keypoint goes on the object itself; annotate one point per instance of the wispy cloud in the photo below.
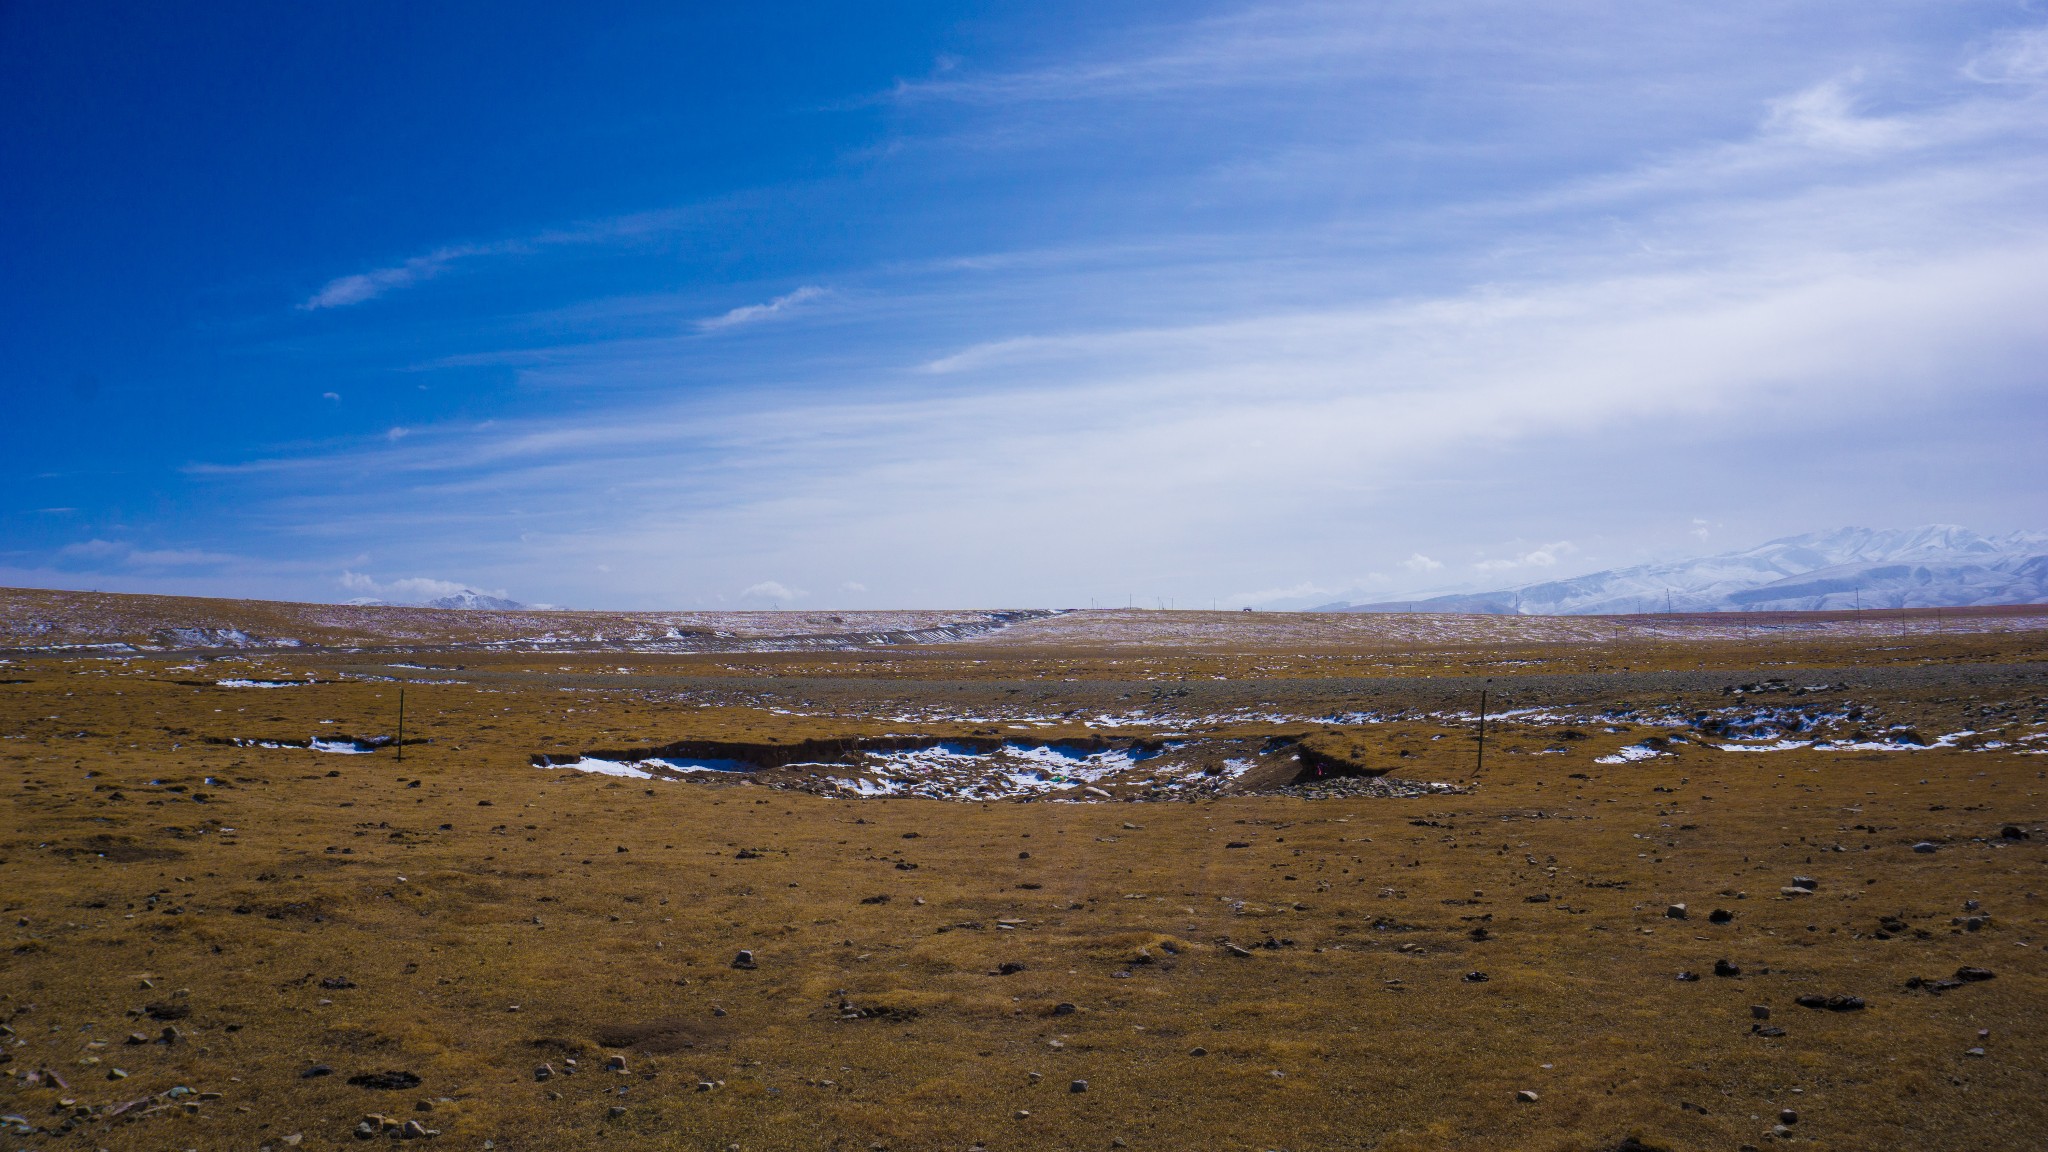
(362, 286)
(755, 313)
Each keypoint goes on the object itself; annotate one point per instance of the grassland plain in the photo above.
(1242, 967)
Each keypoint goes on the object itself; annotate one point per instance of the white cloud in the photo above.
(753, 313)
(1420, 563)
(334, 396)
(771, 590)
(2019, 56)
(853, 586)
(1544, 557)
(1825, 116)
(361, 286)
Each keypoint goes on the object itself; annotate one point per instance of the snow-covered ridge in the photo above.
(1935, 566)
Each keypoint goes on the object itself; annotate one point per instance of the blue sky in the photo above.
(846, 305)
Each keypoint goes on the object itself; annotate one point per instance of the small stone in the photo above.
(1078, 1086)
(1806, 882)
(116, 1074)
(1724, 968)
(1926, 847)
(1009, 968)
(1787, 1116)
(1198, 1051)
(1688, 977)
(1760, 1011)
(1970, 975)
(316, 1070)
(1675, 912)
(544, 1072)
(717, 1011)
(1780, 1131)
(294, 1138)
(745, 959)
(1021, 1114)
(138, 1038)
(615, 1064)
(1064, 1009)
(1237, 950)
(1720, 916)
(705, 1085)
(1525, 1096)
(412, 1130)
(1978, 1052)
(617, 1110)
(1476, 977)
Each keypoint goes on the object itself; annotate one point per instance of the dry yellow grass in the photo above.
(480, 917)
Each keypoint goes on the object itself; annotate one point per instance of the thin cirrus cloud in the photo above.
(359, 287)
(755, 313)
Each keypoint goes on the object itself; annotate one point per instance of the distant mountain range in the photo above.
(1937, 566)
(467, 598)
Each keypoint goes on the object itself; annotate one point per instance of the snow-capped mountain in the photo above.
(471, 598)
(1938, 565)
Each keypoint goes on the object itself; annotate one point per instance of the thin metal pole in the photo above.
(401, 724)
(1481, 766)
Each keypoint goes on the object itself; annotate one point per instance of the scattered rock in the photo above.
(1078, 1086)
(1688, 977)
(1724, 968)
(1198, 1051)
(1525, 1096)
(1237, 950)
(1830, 1003)
(615, 1064)
(544, 1072)
(1009, 968)
(1969, 975)
(316, 1070)
(1021, 1114)
(617, 1110)
(1720, 916)
(1064, 1009)
(1476, 977)
(2013, 832)
(1760, 1011)
(1977, 1052)
(745, 959)
(1806, 882)
(1675, 912)
(1926, 847)
(1787, 1116)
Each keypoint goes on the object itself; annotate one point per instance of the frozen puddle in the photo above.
(653, 769)
(975, 767)
(344, 745)
(261, 683)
